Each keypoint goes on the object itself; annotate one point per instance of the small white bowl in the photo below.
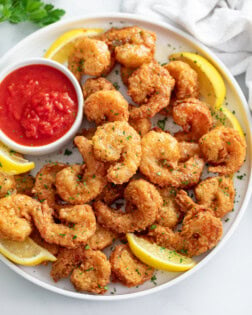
(56, 145)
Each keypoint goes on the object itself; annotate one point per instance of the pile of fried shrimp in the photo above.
(72, 210)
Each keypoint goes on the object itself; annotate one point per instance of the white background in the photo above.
(223, 286)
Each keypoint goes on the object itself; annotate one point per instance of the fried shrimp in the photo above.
(187, 83)
(160, 162)
(188, 150)
(200, 233)
(15, 216)
(216, 193)
(7, 184)
(111, 193)
(194, 117)
(80, 184)
(44, 187)
(93, 85)
(142, 125)
(169, 213)
(224, 148)
(103, 106)
(78, 225)
(70, 258)
(156, 148)
(144, 201)
(90, 56)
(101, 238)
(201, 230)
(67, 260)
(132, 45)
(125, 74)
(128, 269)
(118, 143)
(150, 86)
(24, 184)
(93, 274)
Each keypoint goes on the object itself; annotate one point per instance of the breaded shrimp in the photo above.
(150, 86)
(128, 269)
(93, 274)
(142, 125)
(187, 83)
(67, 260)
(70, 258)
(78, 187)
(103, 106)
(144, 201)
(132, 45)
(160, 162)
(24, 184)
(90, 56)
(194, 117)
(201, 230)
(93, 85)
(216, 193)
(44, 187)
(101, 238)
(224, 148)
(118, 143)
(78, 225)
(169, 213)
(7, 184)
(15, 216)
(111, 193)
(188, 150)
(125, 74)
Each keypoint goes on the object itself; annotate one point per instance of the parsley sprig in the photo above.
(36, 11)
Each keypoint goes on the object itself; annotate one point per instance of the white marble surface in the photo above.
(221, 287)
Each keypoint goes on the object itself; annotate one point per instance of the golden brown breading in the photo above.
(101, 238)
(216, 193)
(93, 85)
(93, 274)
(67, 260)
(150, 86)
(169, 214)
(128, 269)
(24, 184)
(186, 79)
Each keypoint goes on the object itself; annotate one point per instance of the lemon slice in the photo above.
(13, 163)
(212, 87)
(223, 117)
(157, 256)
(63, 46)
(26, 253)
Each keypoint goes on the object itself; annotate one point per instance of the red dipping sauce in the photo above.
(38, 105)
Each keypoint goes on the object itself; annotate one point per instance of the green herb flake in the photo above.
(67, 152)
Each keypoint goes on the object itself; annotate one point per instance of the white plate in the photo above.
(170, 40)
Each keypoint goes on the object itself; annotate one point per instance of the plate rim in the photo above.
(138, 18)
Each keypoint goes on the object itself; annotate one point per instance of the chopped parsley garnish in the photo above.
(161, 123)
(67, 152)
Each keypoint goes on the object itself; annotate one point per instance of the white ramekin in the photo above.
(56, 145)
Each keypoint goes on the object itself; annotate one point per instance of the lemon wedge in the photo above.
(26, 253)
(157, 256)
(12, 162)
(63, 46)
(212, 87)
